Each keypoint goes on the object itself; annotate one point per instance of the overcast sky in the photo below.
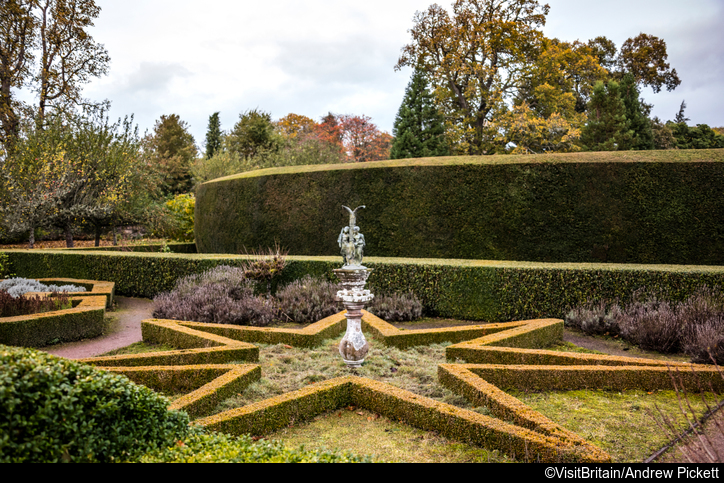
(193, 58)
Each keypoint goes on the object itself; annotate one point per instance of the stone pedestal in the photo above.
(354, 347)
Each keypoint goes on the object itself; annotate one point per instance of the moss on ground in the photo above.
(624, 424)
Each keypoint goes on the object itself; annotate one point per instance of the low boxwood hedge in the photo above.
(464, 289)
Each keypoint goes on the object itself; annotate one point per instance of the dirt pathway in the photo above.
(124, 328)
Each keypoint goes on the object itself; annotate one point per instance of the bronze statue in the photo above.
(351, 241)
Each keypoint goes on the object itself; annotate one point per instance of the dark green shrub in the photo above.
(623, 207)
(4, 266)
(202, 447)
(54, 410)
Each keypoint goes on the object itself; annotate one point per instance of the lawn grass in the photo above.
(364, 433)
(140, 348)
(624, 424)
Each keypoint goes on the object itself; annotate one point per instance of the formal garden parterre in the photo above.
(200, 370)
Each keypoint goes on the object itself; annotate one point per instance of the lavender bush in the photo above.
(396, 307)
(308, 300)
(222, 295)
(19, 286)
(695, 326)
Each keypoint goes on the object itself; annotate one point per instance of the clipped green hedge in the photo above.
(465, 289)
(209, 447)
(53, 409)
(85, 320)
(627, 207)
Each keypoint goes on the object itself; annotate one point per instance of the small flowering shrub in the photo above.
(20, 286)
(225, 295)
(597, 319)
(695, 326)
(308, 300)
(222, 295)
(396, 307)
(11, 306)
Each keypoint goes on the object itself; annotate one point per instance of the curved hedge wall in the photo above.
(630, 207)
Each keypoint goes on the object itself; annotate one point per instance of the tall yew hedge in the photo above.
(629, 207)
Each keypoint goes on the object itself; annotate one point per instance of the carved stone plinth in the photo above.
(354, 347)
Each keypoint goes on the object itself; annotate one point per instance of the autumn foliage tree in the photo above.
(17, 42)
(362, 140)
(644, 57)
(475, 58)
(75, 170)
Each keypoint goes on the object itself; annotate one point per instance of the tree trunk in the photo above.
(31, 241)
(115, 236)
(68, 236)
(98, 236)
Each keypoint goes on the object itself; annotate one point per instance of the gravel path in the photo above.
(124, 328)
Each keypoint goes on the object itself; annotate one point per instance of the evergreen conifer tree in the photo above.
(639, 122)
(418, 130)
(607, 128)
(213, 136)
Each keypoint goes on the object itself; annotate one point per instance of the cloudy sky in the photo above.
(311, 57)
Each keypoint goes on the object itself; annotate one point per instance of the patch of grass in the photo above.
(363, 432)
(621, 423)
(564, 346)
(285, 369)
(140, 348)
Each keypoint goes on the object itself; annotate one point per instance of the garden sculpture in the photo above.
(354, 347)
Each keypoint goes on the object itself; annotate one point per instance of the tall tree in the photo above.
(172, 150)
(252, 134)
(17, 39)
(419, 129)
(475, 60)
(644, 56)
(293, 125)
(55, 33)
(681, 115)
(607, 128)
(636, 115)
(558, 73)
(70, 170)
(213, 136)
(362, 140)
(69, 56)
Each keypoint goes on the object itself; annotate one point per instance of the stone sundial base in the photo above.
(354, 347)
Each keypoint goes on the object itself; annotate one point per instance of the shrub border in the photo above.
(108, 289)
(464, 289)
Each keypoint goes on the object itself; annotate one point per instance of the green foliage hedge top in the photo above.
(620, 207)
(54, 410)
